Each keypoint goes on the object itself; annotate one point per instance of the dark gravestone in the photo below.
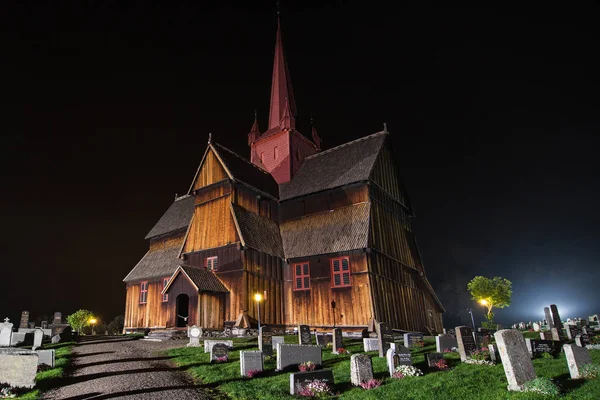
(583, 340)
(385, 336)
(537, 347)
(66, 335)
(572, 331)
(265, 340)
(300, 379)
(304, 335)
(412, 339)
(433, 358)
(556, 318)
(465, 341)
(323, 339)
(397, 356)
(365, 334)
(219, 350)
(291, 355)
(337, 339)
(24, 320)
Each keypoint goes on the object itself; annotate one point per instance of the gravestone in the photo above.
(208, 344)
(275, 340)
(385, 336)
(577, 357)
(364, 334)
(537, 347)
(370, 344)
(55, 339)
(555, 317)
(24, 323)
(44, 324)
(397, 356)
(219, 350)
(411, 339)
(17, 338)
(556, 334)
(47, 357)
(433, 358)
(547, 335)
(516, 360)
(494, 355)
(444, 343)
(66, 335)
(587, 330)
(194, 333)
(38, 336)
(57, 318)
(572, 331)
(304, 335)
(323, 339)
(338, 342)
(265, 342)
(291, 355)
(300, 379)
(536, 327)
(6, 333)
(583, 340)
(18, 367)
(251, 361)
(549, 321)
(361, 369)
(466, 343)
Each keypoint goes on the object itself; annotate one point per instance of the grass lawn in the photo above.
(462, 381)
(46, 380)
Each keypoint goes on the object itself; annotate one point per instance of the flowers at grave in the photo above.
(307, 366)
(371, 384)
(419, 344)
(222, 359)
(593, 347)
(253, 373)
(451, 350)
(478, 362)
(342, 350)
(442, 365)
(590, 371)
(480, 355)
(397, 375)
(544, 386)
(329, 345)
(408, 370)
(316, 388)
(5, 393)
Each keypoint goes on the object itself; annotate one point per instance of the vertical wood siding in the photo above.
(210, 172)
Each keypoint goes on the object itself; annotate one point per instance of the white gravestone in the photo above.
(18, 367)
(38, 336)
(577, 357)
(194, 334)
(251, 361)
(515, 357)
(277, 339)
(6, 333)
(371, 344)
(47, 357)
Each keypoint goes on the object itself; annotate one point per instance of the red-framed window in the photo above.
(340, 272)
(301, 276)
(165, 296)
(211, 263)
(143, 292)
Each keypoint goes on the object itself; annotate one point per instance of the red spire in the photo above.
(315, 136)
(282, 95)
(254, 131)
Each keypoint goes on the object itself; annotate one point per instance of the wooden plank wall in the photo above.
(313, 307)
(211, 310)
(182, 285)
(210, 172)
(328, 200)
(255, 202)
(212, 226)
(149, 315)
(264, 272)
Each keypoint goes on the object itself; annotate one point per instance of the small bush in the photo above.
(545, 386)
(315, 388)
(307, 366)
(547, 356)
(590, 371)
(371, 384)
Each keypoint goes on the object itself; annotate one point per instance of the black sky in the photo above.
(493, 117)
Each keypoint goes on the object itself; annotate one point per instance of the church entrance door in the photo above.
(182, 304)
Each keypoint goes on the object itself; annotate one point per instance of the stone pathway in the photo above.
(126, 369)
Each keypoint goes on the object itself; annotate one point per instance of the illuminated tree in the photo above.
(80, 319)
(495, 292)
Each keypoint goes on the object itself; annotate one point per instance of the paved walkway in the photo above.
(126, 369)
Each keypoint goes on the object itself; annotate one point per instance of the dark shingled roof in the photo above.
(342, 165)
(343, 229)
(205, 280)
(177, 217)
(246, 172)
(155, 264)
(258, 232)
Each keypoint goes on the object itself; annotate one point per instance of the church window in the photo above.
(143, 292)
(165, 297)
(301, 276)
(340, 272)
(211, 263)
(275, 152)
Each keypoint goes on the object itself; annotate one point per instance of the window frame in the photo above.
(165, 296)
(302, 276)
(144, 292)
(215, 260)
(341, 272)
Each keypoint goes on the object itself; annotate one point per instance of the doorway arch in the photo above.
(182, 310)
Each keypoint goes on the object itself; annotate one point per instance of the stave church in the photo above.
(323, 235)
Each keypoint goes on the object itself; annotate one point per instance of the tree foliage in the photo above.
(116, 325)
(80, 319)
(495, 292)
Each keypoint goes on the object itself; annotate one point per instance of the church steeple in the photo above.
(254, 131)
(282, 94)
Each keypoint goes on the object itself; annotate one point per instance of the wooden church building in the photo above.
(302, 226)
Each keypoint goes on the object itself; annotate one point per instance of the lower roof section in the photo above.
(155, 264)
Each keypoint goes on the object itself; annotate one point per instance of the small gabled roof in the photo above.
(200, 278)
(342, 229)
(176, 217)
(155, 264)
(342, 165)
(257, 232)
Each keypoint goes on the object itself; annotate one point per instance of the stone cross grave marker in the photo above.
(265, 342)
(219, 350)
(411, 339)
(291, 355)
(370, 344)
(433, 358)
(537, 347)
(24, 323)
(6, 333)
(516, 360)
(304, 335)
(577, 357)
(444, 342)
(549, 321)
(385, 336)
(194, 333)
(465, 341)
(361, 368)
(300, 379)
(583, 340)
(208, 344)
(338, 342)
(38, 336)
(251, 361)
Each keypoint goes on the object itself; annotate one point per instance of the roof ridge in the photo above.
(185, 196)
(240, 157)
(341, 146)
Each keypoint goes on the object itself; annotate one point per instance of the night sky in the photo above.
(493, 117)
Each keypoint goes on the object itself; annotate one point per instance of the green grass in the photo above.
(47, 380)
(462, 381)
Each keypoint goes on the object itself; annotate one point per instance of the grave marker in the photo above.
(323, 339)
(516, 360)
(265, 342)
(556, 334)
(291, 355)
(47, 357)
(577, 357)
(338, 342)
(537, 347)
(370, 344)
(38, 336)
(6, 333)
(24, 323)
(583, 340)
(18, 367)
(194, 333)
(465, 341)
(275, 340)
(556, 318)
(304, 335)
(433, 358)
(219, 350)
(251, 361)
(411, 339)
(208, 344)
(494, 355)
(385, 336)
(361, 369)
(300, 379)
(549, 321)
(397, 356)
